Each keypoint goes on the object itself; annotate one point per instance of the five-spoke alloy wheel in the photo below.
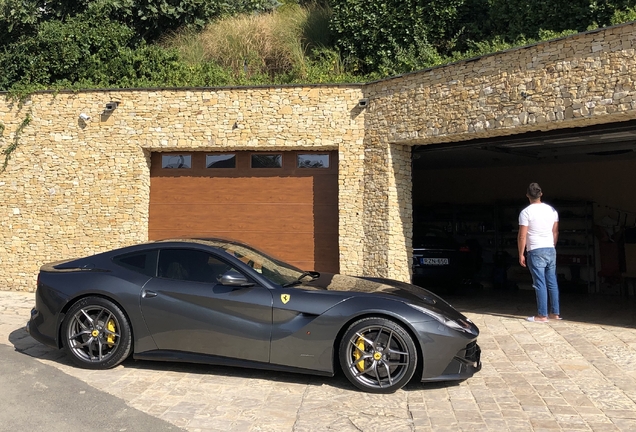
(96, 333)
(377, 355)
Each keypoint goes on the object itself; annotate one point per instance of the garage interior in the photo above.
(474, 191)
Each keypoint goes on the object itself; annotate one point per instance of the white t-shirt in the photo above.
(539, 218)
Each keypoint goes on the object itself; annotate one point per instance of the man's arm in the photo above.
(521, 243)
(555, 232)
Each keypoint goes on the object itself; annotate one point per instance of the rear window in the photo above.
(141, 262)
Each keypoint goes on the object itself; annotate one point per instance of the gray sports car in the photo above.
(222, 302)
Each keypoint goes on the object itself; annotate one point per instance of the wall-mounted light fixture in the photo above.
(111, 106)
(84, 117)
(363, 103)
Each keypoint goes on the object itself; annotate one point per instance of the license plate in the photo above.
(434, 261)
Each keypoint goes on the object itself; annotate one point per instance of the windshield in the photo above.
(276, 271)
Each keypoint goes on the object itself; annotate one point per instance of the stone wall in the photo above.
(576, 81)
(76, 187)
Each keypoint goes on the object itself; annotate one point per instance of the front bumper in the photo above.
(464, 365)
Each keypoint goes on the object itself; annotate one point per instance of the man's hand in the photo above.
(522, 260)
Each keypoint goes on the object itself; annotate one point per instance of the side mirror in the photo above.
(234, 278)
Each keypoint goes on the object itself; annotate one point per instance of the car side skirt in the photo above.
(186, 357)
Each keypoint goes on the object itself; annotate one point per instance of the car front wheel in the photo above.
(96, 334)
(377, 355)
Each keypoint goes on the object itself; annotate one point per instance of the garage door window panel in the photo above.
(312, 161)
(222, 161)
(176, 161)
(267, 160)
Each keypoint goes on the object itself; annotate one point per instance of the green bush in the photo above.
(393, 36)
(625, 15)
(109, 43)
(84, 51)
(278, 43)
(149, 18)
(377, 32)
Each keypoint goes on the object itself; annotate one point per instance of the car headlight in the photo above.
(462, 325)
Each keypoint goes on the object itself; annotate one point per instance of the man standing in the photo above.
(538, 234)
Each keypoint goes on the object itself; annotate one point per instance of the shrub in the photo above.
(271, 44)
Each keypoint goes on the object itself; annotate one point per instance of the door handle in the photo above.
(148, 294)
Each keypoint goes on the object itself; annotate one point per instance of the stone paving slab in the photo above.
(578, 374)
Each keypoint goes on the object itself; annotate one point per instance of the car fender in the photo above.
(73, 286)
(313, 345)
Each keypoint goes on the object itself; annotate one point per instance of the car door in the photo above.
(187, 309)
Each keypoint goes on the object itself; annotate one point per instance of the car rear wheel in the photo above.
(96, 333)
(377, 355)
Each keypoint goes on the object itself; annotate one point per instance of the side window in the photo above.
(191, 265)
(234, 250)
(141, 262)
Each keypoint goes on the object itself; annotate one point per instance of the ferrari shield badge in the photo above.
(285, 298)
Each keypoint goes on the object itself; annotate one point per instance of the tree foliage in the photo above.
(524, 17)
(104, 43)
(377, 32)
(149, 18)
(393, 36)
(89, 52)
(123, 43)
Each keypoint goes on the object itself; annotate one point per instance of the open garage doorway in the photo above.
(469, 195)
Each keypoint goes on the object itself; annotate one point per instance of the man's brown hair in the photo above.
(534, 191)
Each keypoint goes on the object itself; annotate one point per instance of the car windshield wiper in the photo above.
(314, 275)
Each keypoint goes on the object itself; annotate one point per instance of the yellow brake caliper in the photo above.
(357, 354)
(110, 326)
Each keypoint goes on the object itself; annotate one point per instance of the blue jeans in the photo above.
(542, 265)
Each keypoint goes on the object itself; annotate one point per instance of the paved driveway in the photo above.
(578, 374)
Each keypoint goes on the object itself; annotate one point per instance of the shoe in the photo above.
(554, 317)
(537, 320)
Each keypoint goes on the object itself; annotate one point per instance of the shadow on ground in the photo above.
(575, 307)
(26, 345)
(584, 308)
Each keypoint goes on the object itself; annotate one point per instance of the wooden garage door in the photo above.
(289, 212)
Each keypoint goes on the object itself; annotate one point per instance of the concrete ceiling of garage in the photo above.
(613, 141)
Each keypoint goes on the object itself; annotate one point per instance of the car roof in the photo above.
(204, 241)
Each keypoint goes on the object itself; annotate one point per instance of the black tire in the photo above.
(377, 355)
(96, 334)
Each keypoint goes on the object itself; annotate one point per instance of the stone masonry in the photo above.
(75, 187)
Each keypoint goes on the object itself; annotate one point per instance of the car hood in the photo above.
(391, 288)
(435, 243)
